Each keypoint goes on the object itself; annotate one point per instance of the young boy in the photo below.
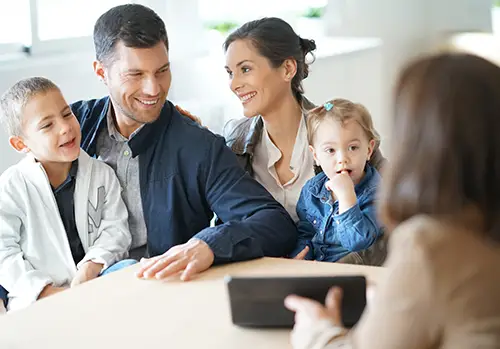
(62, 218)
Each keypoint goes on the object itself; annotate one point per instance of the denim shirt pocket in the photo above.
(316, 222)
(314, 219)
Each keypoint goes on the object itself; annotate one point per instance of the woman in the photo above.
(442, 284)
(266, 63)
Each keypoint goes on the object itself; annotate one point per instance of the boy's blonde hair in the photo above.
(13, 101)
(341, 110)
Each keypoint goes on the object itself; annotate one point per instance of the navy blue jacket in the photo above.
(186, 175)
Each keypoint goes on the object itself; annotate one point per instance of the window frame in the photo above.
(70, 44)
(13, 47)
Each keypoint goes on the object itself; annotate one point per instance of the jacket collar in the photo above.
(251, 131)
(35, 173)
(149, 133)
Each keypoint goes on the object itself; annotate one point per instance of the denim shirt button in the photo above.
(338, 222)
(314, 222)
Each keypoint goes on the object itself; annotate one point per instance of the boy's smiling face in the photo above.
(50, 130)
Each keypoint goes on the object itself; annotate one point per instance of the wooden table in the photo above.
(121, 311)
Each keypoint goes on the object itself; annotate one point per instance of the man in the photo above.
(174, 173)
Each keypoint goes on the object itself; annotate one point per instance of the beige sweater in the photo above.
(441, 290)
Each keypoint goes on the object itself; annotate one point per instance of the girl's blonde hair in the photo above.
(341, 110)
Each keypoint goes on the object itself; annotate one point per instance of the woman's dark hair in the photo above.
(275, 39)
(135, 25)
(446, 142)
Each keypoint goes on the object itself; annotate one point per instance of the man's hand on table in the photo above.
(190, 258)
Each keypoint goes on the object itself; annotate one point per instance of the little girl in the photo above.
(336, 207)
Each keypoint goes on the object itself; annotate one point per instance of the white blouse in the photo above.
(301, 164)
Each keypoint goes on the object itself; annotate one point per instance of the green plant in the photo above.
(496, 3)
(222, 27)
(315, 12)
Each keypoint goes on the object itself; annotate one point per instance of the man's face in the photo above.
(138, 80)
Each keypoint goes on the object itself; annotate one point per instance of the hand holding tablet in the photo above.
(259, 301)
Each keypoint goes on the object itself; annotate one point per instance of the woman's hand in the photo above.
(313, 319)
(308, 311)
(189, 115)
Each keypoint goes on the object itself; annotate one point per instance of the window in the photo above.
(220, 10)
(222, 16)
(227, 12)
(15, 26)
(73, 19)
(495, 17)
(61, 25)
(42, 26)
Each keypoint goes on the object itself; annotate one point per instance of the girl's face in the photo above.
(342, 146)
(253, 80)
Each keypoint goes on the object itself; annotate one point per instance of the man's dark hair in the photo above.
(135, 25)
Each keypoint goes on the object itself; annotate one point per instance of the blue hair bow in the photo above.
(328, 106)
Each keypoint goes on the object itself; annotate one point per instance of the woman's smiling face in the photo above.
(253, 79)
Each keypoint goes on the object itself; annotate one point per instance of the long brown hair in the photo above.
(446, 142)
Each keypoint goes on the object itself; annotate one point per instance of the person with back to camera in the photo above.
(440, 201)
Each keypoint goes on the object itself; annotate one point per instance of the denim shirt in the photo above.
(330, 235)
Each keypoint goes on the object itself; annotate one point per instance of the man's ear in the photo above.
(18, 144)
(99, 71)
